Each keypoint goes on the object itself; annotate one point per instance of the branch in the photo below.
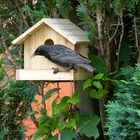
(136, 39)
(114, 32)
(22, 14)
(120, 42)
(100, 32)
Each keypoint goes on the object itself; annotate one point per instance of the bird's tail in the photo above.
(88, 67)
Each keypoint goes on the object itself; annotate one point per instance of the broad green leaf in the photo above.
(61, 125)
(62, 105)
(43, 119)
(67, 134)
(97, 84)
(99, 63)
(71, 123)
(98, 76)
(87, 83)
(88, 125)
(98, 94)
(74, 99)
(55, 137)
(35, 135)
(43, 111)
(49, 93)
(43, 129)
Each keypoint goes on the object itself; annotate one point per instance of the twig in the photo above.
(22, 14)
(114, 32)
(120, 42)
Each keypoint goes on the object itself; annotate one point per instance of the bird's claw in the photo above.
(75, 69)
(56, 70)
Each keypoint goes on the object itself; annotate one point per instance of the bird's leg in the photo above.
(56, 70)
(70, 68)
(75, 69)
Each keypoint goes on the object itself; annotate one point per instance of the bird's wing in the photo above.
(65, 55)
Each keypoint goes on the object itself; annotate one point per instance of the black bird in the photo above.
(63, 56)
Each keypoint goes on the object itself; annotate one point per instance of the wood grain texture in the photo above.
(62, 26)
(60, 31)
(48, 75)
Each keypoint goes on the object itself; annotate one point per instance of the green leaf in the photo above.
(54, 104)
(61, 125)
(97, 84)
(67, 134)
(88, 125)
(98, 76)
(43, 119)
(1, 62)
(55, 137)
(70, 124)
(3, 133)
(33, 113)
(62, 105)
(99, 63)
(74, 99)
(35, 101)
(87, 83)
(98, 94)
(43, 129)
(43, 111)
(1, 49)
(2, 73)
(49, 93)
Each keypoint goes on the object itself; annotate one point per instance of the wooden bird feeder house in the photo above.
(51, 31)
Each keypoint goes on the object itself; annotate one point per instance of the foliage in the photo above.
(96, 85)
(15, 99)
(109, 22)
(113, 28)
(97, 82)
(65, 121)
(123, 113)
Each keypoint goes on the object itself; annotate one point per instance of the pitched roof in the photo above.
(63, 26)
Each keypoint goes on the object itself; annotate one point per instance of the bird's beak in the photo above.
(33, 55)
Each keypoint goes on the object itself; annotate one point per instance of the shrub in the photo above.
(123, 113)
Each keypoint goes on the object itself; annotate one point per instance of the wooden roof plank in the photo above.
(63, 26)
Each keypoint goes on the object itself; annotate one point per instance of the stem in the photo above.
(42, 94)
(33, 116)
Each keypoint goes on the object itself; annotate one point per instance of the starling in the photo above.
(63, 56)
